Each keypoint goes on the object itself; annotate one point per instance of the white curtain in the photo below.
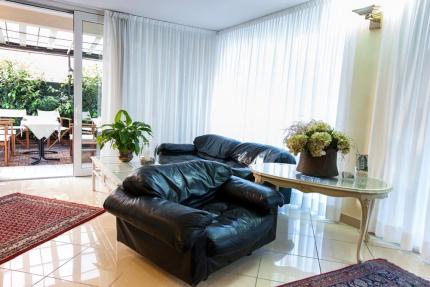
(400, 140)
(161, 73)
(280, 69)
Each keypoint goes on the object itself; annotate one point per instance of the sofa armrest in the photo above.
(246, 192)
(172, 149)
(177, 225)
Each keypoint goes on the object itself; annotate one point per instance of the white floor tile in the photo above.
(247, 265)
(35, 171)
(44, 258)
(287, 268)
(10, 278)
(294, 244)
(336, 231)
(89, 255)
(219, 279)
(340, 251)
(267, 283)
(327, 266)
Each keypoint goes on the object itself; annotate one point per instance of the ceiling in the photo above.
(208, 14)
(39, 30)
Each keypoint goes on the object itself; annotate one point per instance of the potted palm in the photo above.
(318, 144)
(126, 136)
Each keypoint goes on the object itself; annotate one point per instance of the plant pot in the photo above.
(323, 166)
(125, 156)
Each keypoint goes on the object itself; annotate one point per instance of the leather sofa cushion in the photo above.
(170, 158)
(274, 154)
(172, 149)
(238, 169)
(174, 224)
(249, 194)
(188, 183)
(215, 146)
(233, 225)
(246, 153)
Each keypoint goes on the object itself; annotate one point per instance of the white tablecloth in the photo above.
(41, 127)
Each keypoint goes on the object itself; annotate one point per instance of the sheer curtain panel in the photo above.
(162, 73)
(280, 69)
(400, 141)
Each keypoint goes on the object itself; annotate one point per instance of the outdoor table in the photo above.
(42, 128)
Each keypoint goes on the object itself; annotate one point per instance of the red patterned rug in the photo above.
(377, 272)
(27, 221)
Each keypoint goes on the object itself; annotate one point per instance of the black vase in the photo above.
(323, 166)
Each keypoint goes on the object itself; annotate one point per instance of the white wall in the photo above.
(362, 96)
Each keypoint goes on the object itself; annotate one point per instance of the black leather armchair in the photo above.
(228, 151)
(193, 218)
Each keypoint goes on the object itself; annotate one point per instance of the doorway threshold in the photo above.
(35, 172)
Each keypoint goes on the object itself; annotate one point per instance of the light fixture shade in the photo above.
(372, 13)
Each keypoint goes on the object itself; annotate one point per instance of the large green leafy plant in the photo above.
(124, 134)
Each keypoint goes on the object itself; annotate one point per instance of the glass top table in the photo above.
(366, 190)
(111, 171)
(287, 172)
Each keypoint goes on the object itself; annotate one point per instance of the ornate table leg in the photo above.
(372, 204)
(366, 204)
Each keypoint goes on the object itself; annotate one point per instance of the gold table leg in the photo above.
(366, 209)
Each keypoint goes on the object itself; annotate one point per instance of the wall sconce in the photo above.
(372, 13)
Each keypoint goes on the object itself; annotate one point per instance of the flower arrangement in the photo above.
(315, 138)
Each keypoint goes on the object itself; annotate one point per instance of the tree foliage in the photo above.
(20, 89)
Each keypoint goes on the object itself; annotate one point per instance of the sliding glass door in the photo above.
(87, 72)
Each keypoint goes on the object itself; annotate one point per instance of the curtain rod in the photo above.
(164, 21)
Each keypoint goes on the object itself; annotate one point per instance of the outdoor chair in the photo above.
(89, 133)
(14, 114)
(7, 139)
(64, 122)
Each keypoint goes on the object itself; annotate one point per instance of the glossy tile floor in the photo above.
(90, 256)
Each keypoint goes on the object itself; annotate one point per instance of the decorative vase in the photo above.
(323, 166)
(125, 156)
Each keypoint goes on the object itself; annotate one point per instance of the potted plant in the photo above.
(318, 144)
(126, 136)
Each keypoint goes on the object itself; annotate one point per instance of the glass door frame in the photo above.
(78, 18)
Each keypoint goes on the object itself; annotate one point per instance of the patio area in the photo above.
(22, 159)
(37, 86)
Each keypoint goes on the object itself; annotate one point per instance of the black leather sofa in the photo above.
(193, 218)
(231, 152)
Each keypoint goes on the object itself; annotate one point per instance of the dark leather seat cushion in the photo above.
(188, 183)
(171, 149)
(274, 154)
(215, 146)
(246, 153)
(171, 158)
(233, 225)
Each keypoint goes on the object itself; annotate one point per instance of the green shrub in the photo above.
(19, 89)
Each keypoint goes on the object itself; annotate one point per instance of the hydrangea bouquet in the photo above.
(318, 144)
(316, 138)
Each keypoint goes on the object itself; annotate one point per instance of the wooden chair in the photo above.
(14, 114)
(7, 139)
